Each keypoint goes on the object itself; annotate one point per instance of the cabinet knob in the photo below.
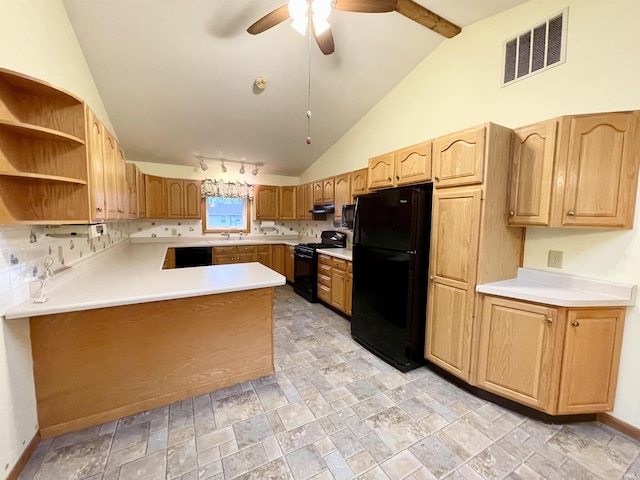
(389, 178)
(436, 178)
(549, 320)
(512, 213)
(571, 213)
(120, 211)
(430, 277)
(98, 209)
(397, 177)
(575, 324)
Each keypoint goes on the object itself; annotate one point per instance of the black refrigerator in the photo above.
(390, 262)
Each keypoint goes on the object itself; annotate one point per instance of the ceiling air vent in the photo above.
(536, 49)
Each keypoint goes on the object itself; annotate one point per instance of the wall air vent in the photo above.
(536, 49)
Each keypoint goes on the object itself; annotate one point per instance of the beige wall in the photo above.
(36, 38)
(458, 86)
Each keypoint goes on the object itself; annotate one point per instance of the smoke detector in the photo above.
(261, 83)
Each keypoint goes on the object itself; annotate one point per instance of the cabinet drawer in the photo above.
(224, 250)
(246, 257)
(324, 270)
(263, 248)
(339, 263)
(324, 293)
(349, 267)
(324, 280)
(246, 249)
(223, 259)
(324, 259)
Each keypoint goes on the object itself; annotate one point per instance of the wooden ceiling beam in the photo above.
(427, 18)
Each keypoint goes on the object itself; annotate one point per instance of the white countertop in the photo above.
(132, 273)
(562, 290)
(342, 253)
(207, 242)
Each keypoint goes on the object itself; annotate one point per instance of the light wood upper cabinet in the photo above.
(359, 182)
(266, 202)
(576, 171)
(458, 158)
(96, 170)
(132, 175)
(381, 171)
(155, 197)
(342, 195)
(516, 351)
(287, 203)
(590, 360)
(470, 244)
(328, 190)
(142, 207)
(121, 183)
(562, 361)
(111, 171)
(413, 164)
(317, 192)
(300, 202)
(533, 150)
(308, 197)
(183, 198)
(406, 166)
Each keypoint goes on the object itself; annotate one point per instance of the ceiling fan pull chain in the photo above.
(309, 84)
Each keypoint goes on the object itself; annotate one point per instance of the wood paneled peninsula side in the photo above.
(121, 335)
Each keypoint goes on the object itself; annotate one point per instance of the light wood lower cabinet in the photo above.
(558, 360)
(335, 278)
(289, 264)
(235, 254)
(264, 255)
(169, 259)
(278, 255)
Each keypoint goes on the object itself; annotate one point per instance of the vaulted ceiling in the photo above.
(178, 78)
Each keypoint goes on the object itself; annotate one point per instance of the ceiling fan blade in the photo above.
(324, 40)
(366, 6)
(271, 19)
(427, 18)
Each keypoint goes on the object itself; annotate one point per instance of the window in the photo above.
(536, 49)
(222, 214)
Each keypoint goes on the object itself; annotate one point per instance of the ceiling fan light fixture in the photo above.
(300, 25)
(320, 25)
(299, 11)
(242, 168)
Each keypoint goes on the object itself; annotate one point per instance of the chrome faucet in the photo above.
(226, 235)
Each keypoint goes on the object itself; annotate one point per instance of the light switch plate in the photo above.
(555, 259)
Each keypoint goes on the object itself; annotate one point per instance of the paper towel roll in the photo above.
(267, 225)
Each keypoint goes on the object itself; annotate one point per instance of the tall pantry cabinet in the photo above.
(470, 242)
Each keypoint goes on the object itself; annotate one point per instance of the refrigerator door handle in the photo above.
(412, 252)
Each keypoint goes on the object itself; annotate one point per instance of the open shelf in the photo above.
(46, 178)
(33, 86)
(37, 132)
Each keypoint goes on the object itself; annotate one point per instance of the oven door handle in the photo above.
(300, 255)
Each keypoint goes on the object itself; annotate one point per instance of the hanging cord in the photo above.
(310, 34)
(47, 274)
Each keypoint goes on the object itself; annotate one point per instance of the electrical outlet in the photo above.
(555, 259)
(174, 232)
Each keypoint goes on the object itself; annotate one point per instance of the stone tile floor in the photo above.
(333, 410)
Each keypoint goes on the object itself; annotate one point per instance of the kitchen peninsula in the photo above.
(119, 335)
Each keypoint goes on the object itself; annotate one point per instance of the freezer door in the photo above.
(387, 219)
(382, 299)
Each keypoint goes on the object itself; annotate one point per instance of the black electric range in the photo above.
(306, 263)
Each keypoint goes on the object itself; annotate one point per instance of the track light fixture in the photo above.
(223, 167)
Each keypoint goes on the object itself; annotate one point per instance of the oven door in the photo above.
(306, 275)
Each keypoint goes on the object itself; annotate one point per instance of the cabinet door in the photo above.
(289, 265)
(516, 351)
(308, 204)
(155, 204)
(300, 203)
(287, 203)
(175, 198)
(533, 151)
(121, 183)
(142, 207)
(458, 159)
(327, 190)
(265, 258)
(317, 193)
(452, 280)
(109, 157)
(591, 355)
(277, 259)
(342, 195)
(131, 172)
(413, 164)
(358, 183)
(266, 200)
(348, 291)
(381, 171)
(96, 171)
(338, 289)
(192, 199)
(602, 171)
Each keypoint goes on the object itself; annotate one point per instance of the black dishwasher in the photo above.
(193, 257)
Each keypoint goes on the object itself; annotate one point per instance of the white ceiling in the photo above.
(177, 77)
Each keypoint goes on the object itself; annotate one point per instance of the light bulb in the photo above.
(321, 9)
(300, 25)
(255, 170)
(320, 25)
(224, 167)
(299, 12)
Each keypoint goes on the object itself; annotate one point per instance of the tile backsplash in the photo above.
(23, 250)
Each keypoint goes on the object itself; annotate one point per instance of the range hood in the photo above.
(323, 209)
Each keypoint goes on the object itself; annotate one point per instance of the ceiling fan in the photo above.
(316, 12)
